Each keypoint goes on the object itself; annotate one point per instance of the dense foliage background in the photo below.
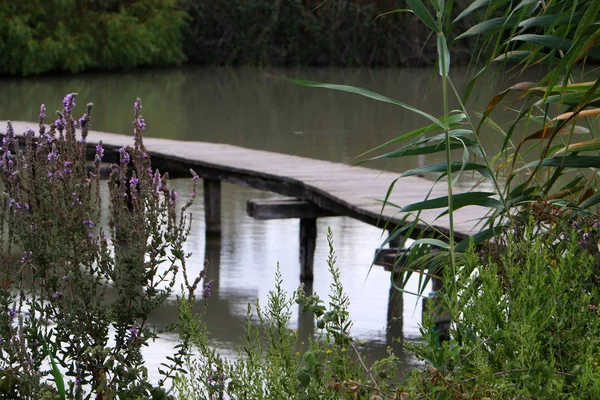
(75, 35)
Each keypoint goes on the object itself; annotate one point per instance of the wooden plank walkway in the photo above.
(342, 189)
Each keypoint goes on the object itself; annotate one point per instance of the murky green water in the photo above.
(252, 108)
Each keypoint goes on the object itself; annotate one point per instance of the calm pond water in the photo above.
(250, 108)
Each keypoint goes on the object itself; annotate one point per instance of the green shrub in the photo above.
(273, 362)
(526, 312)
(44, 36)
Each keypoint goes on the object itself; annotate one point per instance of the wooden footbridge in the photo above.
(316, 188)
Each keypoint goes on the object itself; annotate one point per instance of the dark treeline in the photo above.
(38, 36)
(309, 32)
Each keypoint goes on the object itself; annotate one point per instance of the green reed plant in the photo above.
(272, 360)
(77, 293)
(527, 311)
(549, 151)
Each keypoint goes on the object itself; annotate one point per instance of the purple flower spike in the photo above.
(99, 150)
(42, 113)
(57, 295)
(88, 223)
(142, 123)
(12, 313)
(125, 158)
(137, 106)
(69, 103)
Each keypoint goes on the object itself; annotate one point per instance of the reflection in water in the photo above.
(242, 266)
(249, 108)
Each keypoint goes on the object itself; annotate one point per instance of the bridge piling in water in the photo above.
(212, 206)
(308, 240)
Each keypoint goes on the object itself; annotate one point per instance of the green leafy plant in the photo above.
(273, 362)
(526, 307)
(550, 149)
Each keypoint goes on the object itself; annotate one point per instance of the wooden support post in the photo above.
(395, 316)
(212, 206)
(308, 237)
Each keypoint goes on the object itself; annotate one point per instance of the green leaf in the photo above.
(432, 242)
(552, 42)
(458, 201)
(58, 378)
(513, 56)
(567, 162)
(454, 121)
(424, 15)
(478, 238)
(369, 94)
(455, 166)
(472, 7)
(590, 201)
(490, 26)
(443, 55)
(415, 151)
(545, 21)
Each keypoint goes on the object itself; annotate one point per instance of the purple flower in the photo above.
(124, 156)
(133, 332)
(75, 200)
(173, 197)
(29, 133)
(99, 150)
(26, 257)
(596, 223)
(57, 295)
(42, 113)
(133, 182)
(206, 289)
(12, 313)
(52, 155)
(137, 106)
(88, 223)
(67, 165)
(586, 236)
(84, 120)
(141, 122)
(575, 224)
(69, 103)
